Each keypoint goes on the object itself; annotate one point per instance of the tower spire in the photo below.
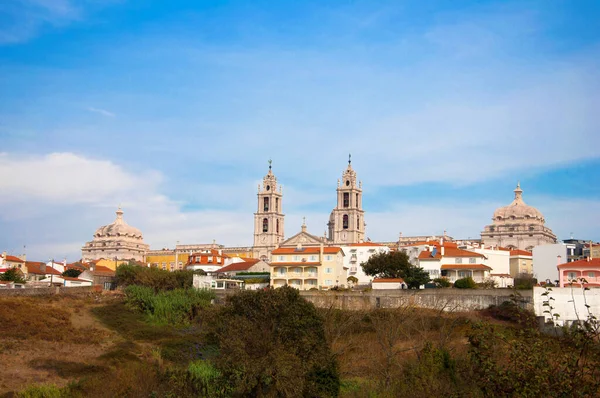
(270, 162)
(349, 159)
(518, 192)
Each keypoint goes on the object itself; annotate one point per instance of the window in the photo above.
(172, 265)
(281, 258)
(313, 258)
(210, 259)
(572, 275)
(220, 285)
(472, 260)
(219, 260)
(328, 270)
(180, 265)
(458, 260)
(265, 225)
(328, 282)
(281, 271)
(434, 273)
(356, 204)
(296, 258)
(266, 204)
(345, 221)
(164, 266)
(277, 226)
(327, 258)
(591, 275)
(346, 199)
(197, 259)
(464, 274)
(277, 205)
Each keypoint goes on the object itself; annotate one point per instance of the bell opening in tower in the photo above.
(346, 199)
(266, 204)
(265, 225)
(345, 221)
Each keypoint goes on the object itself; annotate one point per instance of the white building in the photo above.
(357, 253)
(546, 258)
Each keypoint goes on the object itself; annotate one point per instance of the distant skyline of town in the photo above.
(172, 111)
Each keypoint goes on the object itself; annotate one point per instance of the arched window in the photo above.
(346, 199)
(266, 204)
(277, 226)
(277, 205)
(345, 221)
(358, 222)
(265, 225)
(356, 203)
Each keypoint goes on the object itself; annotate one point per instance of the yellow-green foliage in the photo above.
(172, 307)
(42, 391)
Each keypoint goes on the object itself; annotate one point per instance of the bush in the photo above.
(12, 275)
(157, 279)
(488, 284)
(43, 391)
(72, 273)
(442, 282)
(525, 283)
(272, 343)
(173, 307)
(465, 283)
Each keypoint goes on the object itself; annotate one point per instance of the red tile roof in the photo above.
(465, 266)
(14, 259)
(448, 252)
(365, 244)
(101, 270)
(35, 267)
(306, 250)
(520, 253)
(388, 280)
(3, 270)
(243, 266)
(430, 243)
(594, 262)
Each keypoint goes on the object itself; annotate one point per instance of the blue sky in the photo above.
(173, 109)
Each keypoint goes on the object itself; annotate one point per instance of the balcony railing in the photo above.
(353, 269)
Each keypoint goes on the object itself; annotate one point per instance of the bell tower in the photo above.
(346, 224)
(268, 219)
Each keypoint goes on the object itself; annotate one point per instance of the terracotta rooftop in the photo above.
(520, 253)
(14, 259)
(448, 252)
(242, 266)
(365, 244)
(594, 262)
(35, 267)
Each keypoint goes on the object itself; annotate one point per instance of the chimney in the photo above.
(64, 262)
(43, 267)
(558, 260)
(3, 254)
(442, 251)
(321, 252)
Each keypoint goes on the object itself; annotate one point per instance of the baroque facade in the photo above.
(268, 219)
(346, 222)
(517, 226)
(118, 241)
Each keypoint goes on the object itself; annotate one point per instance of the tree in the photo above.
(72, 273)
(396, 265)
(465, 283)
(352, 280)
(12, 275)
(272, 343)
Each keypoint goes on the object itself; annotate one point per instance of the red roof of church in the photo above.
(520, 253)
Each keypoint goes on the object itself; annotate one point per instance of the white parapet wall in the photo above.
(568, 302)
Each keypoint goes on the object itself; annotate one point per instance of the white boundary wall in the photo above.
(568, 302)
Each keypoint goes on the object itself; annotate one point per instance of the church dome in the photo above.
(118, 228)
(518, 209)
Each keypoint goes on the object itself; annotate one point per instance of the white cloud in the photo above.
(102, 112)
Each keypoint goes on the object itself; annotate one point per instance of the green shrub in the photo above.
(157, 279)
(12, 275)
(442, 282)
(172, 307)
(43, 391)
(72, 273)
(525, 283)
(465, 283)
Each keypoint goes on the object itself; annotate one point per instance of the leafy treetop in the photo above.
(396, 265)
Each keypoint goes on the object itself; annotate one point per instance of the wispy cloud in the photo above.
(102, 112)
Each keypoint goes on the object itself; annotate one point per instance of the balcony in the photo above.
(311, 275)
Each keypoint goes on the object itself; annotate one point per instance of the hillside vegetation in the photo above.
(173, 343)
